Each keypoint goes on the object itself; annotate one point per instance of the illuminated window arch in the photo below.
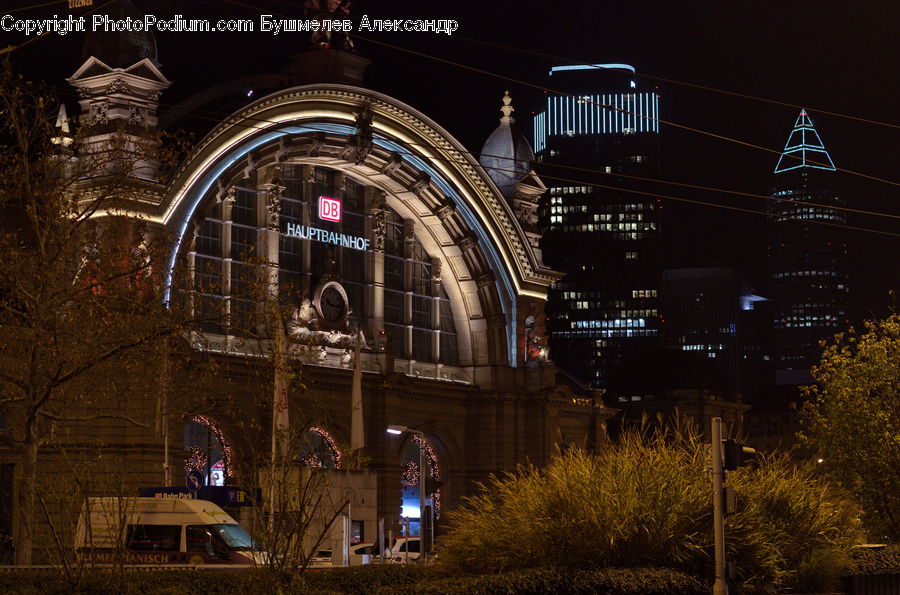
(208, 451)
(417, 313)
(409, 479)
(318, 449)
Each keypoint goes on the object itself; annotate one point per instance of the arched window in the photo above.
(318, 449)
(208, 452)
(410, 480)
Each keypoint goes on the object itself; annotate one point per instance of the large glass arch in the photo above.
(415, 311)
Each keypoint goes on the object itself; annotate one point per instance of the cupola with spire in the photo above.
(507, 157)
(507, 154)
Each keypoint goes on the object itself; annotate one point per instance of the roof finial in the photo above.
(62, 126)
(507, 109)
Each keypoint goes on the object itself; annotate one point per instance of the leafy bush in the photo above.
(647, 501)
(872, 561)
(156, 582)
(365, 579)
(374, 579)
(604, 581)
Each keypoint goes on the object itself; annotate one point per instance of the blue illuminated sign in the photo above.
(592, 67)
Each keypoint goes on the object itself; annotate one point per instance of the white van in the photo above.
(162, 531)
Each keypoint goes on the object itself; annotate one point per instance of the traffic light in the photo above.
(736, 454)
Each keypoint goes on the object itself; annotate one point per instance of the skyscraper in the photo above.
(808, 273)
(605, 238)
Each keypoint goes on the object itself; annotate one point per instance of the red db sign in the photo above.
(329, 209)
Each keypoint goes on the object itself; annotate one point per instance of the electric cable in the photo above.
(608, 107)
(218, 117)
(617, 188)
(528, 84)
(312, 127)
(681, 83)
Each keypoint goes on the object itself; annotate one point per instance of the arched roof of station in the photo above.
(426, 174)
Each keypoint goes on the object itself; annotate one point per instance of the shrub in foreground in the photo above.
(362, 580)
(566, 581)
(876, 561)
(646, 501)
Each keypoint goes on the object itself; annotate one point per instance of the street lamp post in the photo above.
(397, 430)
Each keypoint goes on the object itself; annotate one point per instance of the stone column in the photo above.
(308, 186)
(376, 205)
(409, 236)
(227, 198)
(270, 187)
(436, 308)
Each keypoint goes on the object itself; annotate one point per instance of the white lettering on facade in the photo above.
(329, 237)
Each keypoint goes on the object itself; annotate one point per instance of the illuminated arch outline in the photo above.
(330, 444)
(410, 476)
(226, 447)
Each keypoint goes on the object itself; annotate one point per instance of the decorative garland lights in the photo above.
(433, 471)
(226, 448)
(196, 461)
(312, 459)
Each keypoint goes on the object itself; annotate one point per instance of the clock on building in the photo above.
(331, 302)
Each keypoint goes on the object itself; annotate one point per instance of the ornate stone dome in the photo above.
(120, 50)
(506, 154)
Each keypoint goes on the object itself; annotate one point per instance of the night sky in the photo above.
(840, 57)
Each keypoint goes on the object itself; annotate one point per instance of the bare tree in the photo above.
(81, 312)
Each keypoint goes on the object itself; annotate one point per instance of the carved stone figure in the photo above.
(119, 85)
(445, 210)
(318, 140)
(137, 115)
(273, 202)
(330, 10)
(98, 115)
(379, 229)
(536, 349)
(421, 183)
(393, 164)
(363, 138)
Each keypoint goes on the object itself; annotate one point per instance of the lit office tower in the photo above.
(605, 311)
(807, 260)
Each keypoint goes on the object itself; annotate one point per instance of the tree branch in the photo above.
(94, 418)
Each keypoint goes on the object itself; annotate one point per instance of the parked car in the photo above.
(405, 549)
(321, 559)
(364, 553)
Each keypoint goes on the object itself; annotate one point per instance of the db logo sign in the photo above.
(329, 209)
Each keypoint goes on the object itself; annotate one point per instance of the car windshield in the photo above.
(235, 537)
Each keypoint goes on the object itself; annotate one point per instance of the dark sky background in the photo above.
(836, 56)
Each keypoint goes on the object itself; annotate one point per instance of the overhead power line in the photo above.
(605, 106)
(217, 116)
(257, 121)
(681, 83)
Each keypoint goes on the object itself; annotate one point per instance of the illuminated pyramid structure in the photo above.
(808, 277)
(804, 148)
